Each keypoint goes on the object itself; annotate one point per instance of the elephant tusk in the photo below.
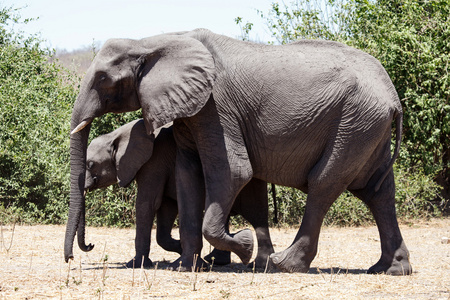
(81, 126)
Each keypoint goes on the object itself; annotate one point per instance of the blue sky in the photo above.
(69, 24)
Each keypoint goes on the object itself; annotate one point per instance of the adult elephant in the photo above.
(314, 115)
(128, 153)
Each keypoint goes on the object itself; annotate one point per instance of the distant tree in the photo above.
(313, 19)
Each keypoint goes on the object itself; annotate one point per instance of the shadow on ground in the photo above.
(230, 268)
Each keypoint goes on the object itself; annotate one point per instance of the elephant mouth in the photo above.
(90, 183)
(95, 184)
(88, 189)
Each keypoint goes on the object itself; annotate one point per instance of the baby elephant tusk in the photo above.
(81, 126)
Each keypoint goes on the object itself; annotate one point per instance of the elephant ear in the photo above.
(175, 78)
(132, 149)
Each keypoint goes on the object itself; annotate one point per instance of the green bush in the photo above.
(36, 99)
(34, 127)
(113, 206)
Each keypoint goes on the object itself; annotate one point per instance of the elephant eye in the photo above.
(101, 76)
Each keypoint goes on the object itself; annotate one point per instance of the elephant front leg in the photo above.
(220, 257)
(144, 222)
(224, 181)
(190, 199)
(241, 243)
(252, 204)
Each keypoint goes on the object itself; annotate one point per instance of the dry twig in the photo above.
(12, 237)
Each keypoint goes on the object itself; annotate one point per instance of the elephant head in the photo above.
(116, 157)
(169, 76)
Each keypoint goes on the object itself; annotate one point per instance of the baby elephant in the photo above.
(129, 153)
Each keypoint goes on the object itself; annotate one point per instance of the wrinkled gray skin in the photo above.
(130, 153)
(314, 115)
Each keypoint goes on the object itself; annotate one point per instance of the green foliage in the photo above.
(245, 29)
(113, 206)
(414, 194)
(34, 126)
(305, 19)
(36, 99)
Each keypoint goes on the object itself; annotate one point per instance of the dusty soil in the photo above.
(32, 267)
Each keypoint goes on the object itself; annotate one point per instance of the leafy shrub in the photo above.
(34, 127)
(113, 206)
(36, 99)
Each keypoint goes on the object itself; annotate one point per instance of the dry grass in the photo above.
(33, 268)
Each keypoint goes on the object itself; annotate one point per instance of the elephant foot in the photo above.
(136, 263)
(218, 257)
(262, 263)
(398, 266)
(244, 239)
(262, 260)
(185, 264)
(287, 261)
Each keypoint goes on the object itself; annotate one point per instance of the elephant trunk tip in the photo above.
(87, 248)
(68, 256)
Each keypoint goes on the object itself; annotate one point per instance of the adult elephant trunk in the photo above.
(78, 149)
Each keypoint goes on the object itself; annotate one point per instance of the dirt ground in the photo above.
(32, 267)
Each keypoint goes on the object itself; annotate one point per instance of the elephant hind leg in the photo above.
(394, 254)
(329, 178)
(299, 255)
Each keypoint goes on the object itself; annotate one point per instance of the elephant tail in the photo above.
(275, 209)
(398, 138)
